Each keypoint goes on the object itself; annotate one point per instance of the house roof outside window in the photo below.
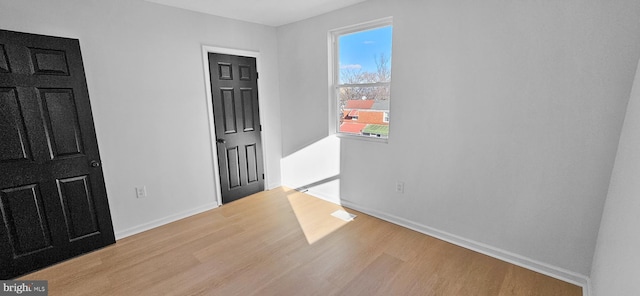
(381, 106)
(352, 128)
(359, 104)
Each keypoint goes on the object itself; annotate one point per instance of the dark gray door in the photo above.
(53, 202)
(234, 90)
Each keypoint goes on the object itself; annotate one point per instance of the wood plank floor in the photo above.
(282, 242)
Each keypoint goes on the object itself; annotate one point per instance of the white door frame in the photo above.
(206, 49)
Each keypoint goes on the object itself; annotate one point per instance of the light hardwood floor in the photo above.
(282, 242)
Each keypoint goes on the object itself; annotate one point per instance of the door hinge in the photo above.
(262, 176)
(257, 75)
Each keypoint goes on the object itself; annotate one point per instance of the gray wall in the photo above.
(146, 82)
(505, 120)
(616, 261)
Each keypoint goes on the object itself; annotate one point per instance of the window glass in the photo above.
(362, 79)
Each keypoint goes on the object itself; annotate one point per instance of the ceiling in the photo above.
(267, 12)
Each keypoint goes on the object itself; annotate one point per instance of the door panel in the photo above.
(25, 218)
(245, 72)
(247, 104)
(52, 200)
(14, 145)
(252, 163)
(228, 110)
(61, 122)
(233, 167)
(49, 62)
(234, 90)
(77, 204)
(224, 71)
(4, 63)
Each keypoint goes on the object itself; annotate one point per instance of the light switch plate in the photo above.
(141, 192)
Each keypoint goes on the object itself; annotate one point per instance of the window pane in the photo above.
(365, 56)
(363, 79)
(364, 117)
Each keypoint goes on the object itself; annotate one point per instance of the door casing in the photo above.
(206, 49)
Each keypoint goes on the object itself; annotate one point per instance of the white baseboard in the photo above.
(522, 261)
(162, 221)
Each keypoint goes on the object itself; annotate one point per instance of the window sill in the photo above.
(362, 138)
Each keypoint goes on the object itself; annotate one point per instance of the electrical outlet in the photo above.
(400, 187)
(141, 192)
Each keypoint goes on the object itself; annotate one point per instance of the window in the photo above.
(361, 79)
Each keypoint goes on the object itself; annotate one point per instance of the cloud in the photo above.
(368, 42)
(351, 66)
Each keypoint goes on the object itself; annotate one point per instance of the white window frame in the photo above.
(334, 69)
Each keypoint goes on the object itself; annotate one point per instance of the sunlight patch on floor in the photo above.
(343, 215)
(315, 215)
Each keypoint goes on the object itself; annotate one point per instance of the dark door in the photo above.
(234, 90)
(53, 202)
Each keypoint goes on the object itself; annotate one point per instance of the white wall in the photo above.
(616, 264)
(146, 82)
(505, 120)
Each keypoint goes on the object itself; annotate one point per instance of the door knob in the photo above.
(221, 141)
(94, 164)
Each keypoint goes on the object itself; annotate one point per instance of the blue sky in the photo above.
(359, 49)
